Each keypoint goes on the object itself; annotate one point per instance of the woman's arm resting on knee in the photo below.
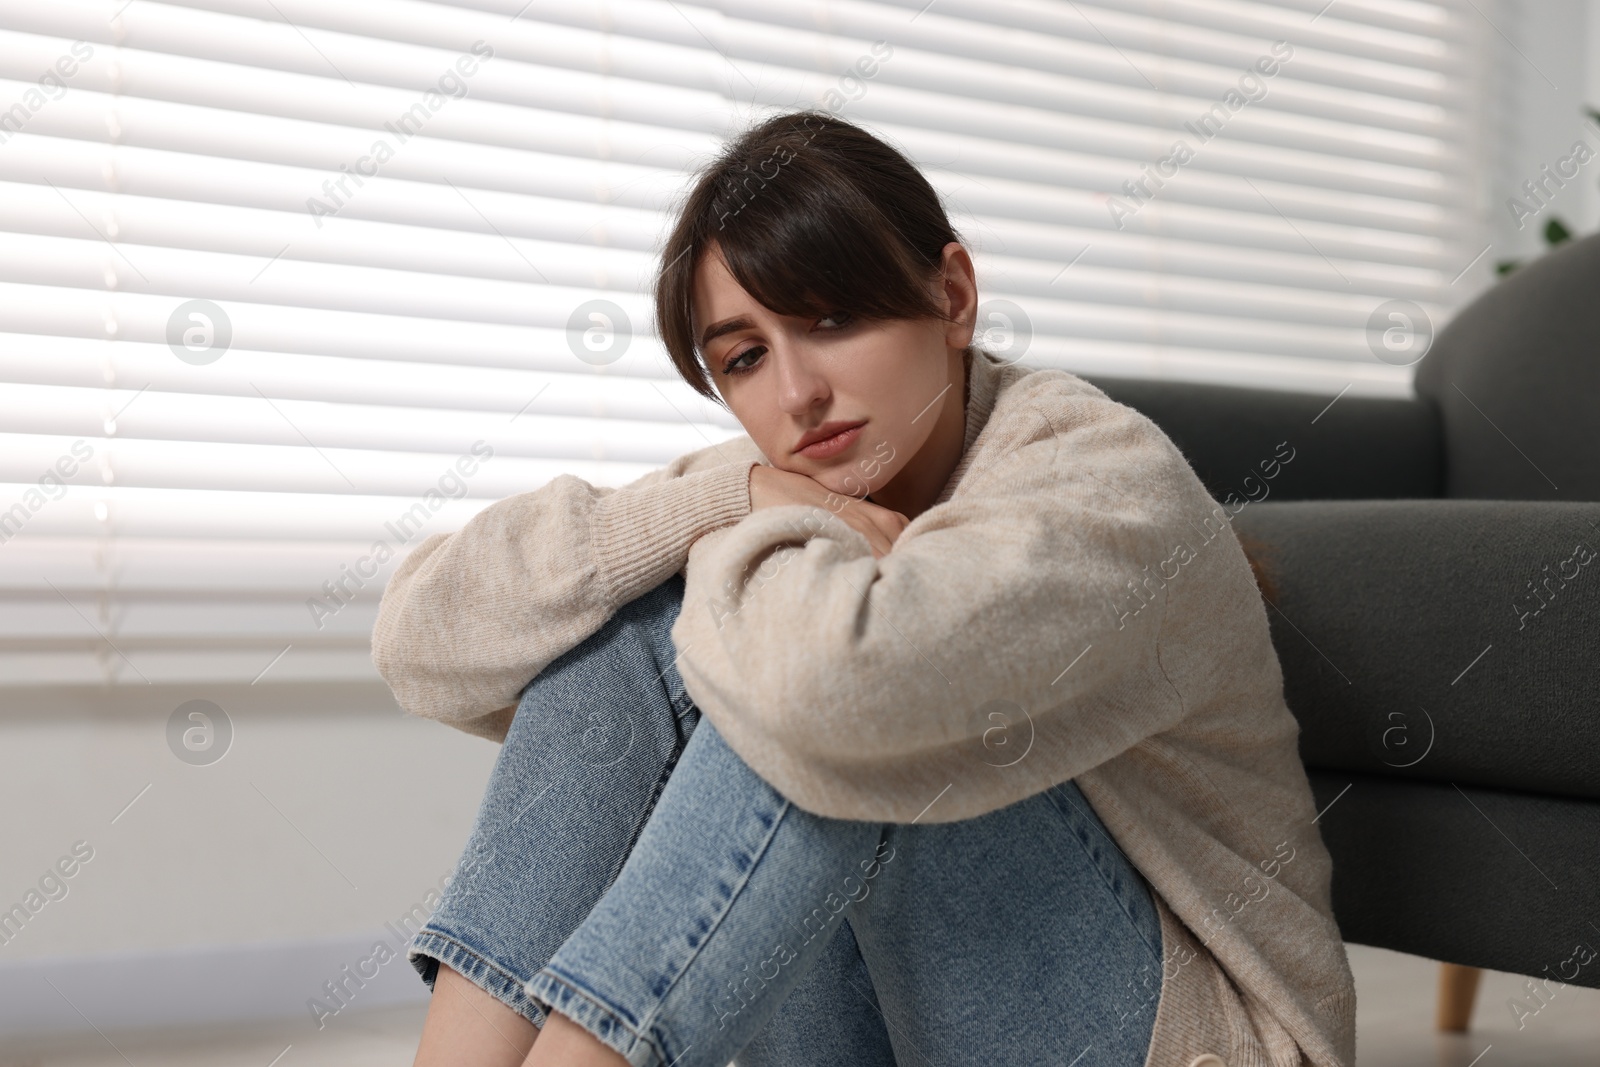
(470, 618)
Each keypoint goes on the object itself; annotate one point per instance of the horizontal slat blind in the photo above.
(399, 357)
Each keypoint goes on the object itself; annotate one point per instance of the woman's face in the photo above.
(783, 376)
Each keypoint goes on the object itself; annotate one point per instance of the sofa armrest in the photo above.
(1360, 448)
(1413, 642)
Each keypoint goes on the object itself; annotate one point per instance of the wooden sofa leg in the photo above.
(1458, 988)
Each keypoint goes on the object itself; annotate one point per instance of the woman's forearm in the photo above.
(469, 618)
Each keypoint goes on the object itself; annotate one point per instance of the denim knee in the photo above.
(659, 605)
(643, 624)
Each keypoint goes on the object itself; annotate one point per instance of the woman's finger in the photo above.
(858, 519)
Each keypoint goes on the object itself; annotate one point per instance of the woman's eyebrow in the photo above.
(716, 330)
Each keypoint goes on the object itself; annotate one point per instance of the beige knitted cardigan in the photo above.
(1075, 605)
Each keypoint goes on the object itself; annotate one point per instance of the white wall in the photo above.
(1549, 66)
(203, 859)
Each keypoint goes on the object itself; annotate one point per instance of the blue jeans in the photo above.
(630, 871)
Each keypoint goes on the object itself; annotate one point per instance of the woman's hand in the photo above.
(771, 487)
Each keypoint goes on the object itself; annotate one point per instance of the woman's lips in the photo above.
(831, 446)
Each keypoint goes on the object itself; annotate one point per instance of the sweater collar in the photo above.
(984, 379)
(983, 385)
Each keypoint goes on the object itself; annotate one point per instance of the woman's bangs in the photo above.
(811, 259)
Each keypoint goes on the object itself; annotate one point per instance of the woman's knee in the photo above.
(631, 657)
(614, 704)
(657, 608)
(641, 625)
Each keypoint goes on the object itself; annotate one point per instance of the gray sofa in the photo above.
(1449, 716)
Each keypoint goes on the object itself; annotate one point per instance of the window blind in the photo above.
(287, 285)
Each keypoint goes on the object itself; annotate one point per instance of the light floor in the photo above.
(1394, 1023)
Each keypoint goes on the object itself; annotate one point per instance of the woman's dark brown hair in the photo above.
(813, 216)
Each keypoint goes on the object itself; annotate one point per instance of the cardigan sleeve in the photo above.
(469, 618)
(865, 688)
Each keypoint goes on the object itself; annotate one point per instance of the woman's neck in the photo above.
(915, 488)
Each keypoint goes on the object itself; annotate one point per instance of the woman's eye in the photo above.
(840, 319)
(733, 367)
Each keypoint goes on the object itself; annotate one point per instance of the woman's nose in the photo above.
(801, 385)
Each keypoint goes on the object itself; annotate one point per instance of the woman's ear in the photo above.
(959, 294)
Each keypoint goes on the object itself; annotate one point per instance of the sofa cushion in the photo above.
(1516, 377)
(1413, 644)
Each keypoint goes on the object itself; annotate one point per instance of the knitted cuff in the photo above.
(641, 536)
